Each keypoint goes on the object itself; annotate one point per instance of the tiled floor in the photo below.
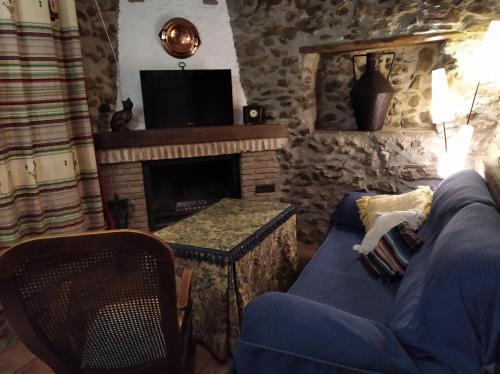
(17, 359)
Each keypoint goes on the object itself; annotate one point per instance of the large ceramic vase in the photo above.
(371, 95)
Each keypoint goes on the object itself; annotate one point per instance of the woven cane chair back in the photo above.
(94, 302)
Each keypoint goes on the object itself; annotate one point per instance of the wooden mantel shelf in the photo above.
(381, 43)
(191, 135)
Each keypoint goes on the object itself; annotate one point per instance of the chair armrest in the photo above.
(184, 298)
(288, 331)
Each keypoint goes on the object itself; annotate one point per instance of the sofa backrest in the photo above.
(448, 304)
(452, 195)
(347, 214)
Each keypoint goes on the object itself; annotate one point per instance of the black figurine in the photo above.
(122, 117)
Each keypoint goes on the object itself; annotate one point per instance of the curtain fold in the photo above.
(48, 172)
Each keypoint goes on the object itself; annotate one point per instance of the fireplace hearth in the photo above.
(176, 189)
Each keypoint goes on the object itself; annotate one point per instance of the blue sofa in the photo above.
(442, 317)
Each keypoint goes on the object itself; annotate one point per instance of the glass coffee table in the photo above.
(238, 249)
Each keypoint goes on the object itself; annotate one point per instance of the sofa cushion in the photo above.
(370, 206)
(335, 276)
(283, 333)
(448, 304)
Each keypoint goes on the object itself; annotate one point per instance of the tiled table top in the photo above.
(224, 225)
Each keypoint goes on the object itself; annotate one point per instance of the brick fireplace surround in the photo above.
(120, 157)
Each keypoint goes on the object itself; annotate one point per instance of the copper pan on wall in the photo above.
(180, 38)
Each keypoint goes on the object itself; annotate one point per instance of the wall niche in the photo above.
(410, 77)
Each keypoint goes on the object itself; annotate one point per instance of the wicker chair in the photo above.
(99, 302)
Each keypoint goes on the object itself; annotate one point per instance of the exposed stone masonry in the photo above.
(98, 63)
(321, 166)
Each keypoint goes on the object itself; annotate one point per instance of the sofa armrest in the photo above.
(347, 214)
(282, 332)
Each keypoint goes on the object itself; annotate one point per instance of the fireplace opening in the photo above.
(176, 189)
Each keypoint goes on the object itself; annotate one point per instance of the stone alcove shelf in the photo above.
(382, 43)
(331, 72)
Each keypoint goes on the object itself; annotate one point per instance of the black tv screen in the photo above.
(180, 98)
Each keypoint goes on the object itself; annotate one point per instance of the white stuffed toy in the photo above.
(383, 223)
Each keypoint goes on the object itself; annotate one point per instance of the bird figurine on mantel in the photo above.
(122, 117)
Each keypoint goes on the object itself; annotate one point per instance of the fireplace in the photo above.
(125, 160)
(178, 188)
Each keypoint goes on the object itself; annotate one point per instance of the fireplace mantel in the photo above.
(164, 144)
(190, 135)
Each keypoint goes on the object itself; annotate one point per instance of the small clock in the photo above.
(252, 114)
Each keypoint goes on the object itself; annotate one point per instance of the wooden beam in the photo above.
(382, 43)
(190, 135)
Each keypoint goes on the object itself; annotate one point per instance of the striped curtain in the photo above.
(48, 173)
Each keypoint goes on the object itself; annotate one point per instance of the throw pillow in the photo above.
(383, 224)
(419, 199)
(390, 257)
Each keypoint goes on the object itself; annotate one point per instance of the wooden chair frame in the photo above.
(128, 240)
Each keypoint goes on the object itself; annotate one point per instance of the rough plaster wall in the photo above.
(321, 166)
(140, 47)
(98, 63)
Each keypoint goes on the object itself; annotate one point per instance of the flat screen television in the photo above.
(181, 98)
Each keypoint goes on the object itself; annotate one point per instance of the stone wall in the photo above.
(98, 63)
(321, 166)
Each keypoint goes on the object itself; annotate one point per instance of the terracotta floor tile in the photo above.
(14, 358)
(35, 367)
(19, 360)
(203, 358)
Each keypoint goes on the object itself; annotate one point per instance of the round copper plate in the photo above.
(180, 38)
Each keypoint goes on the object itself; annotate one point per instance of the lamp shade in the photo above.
(490, 54)
(458, 149)
(441, 104)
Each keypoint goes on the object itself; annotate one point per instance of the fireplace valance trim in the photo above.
(166, 152)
